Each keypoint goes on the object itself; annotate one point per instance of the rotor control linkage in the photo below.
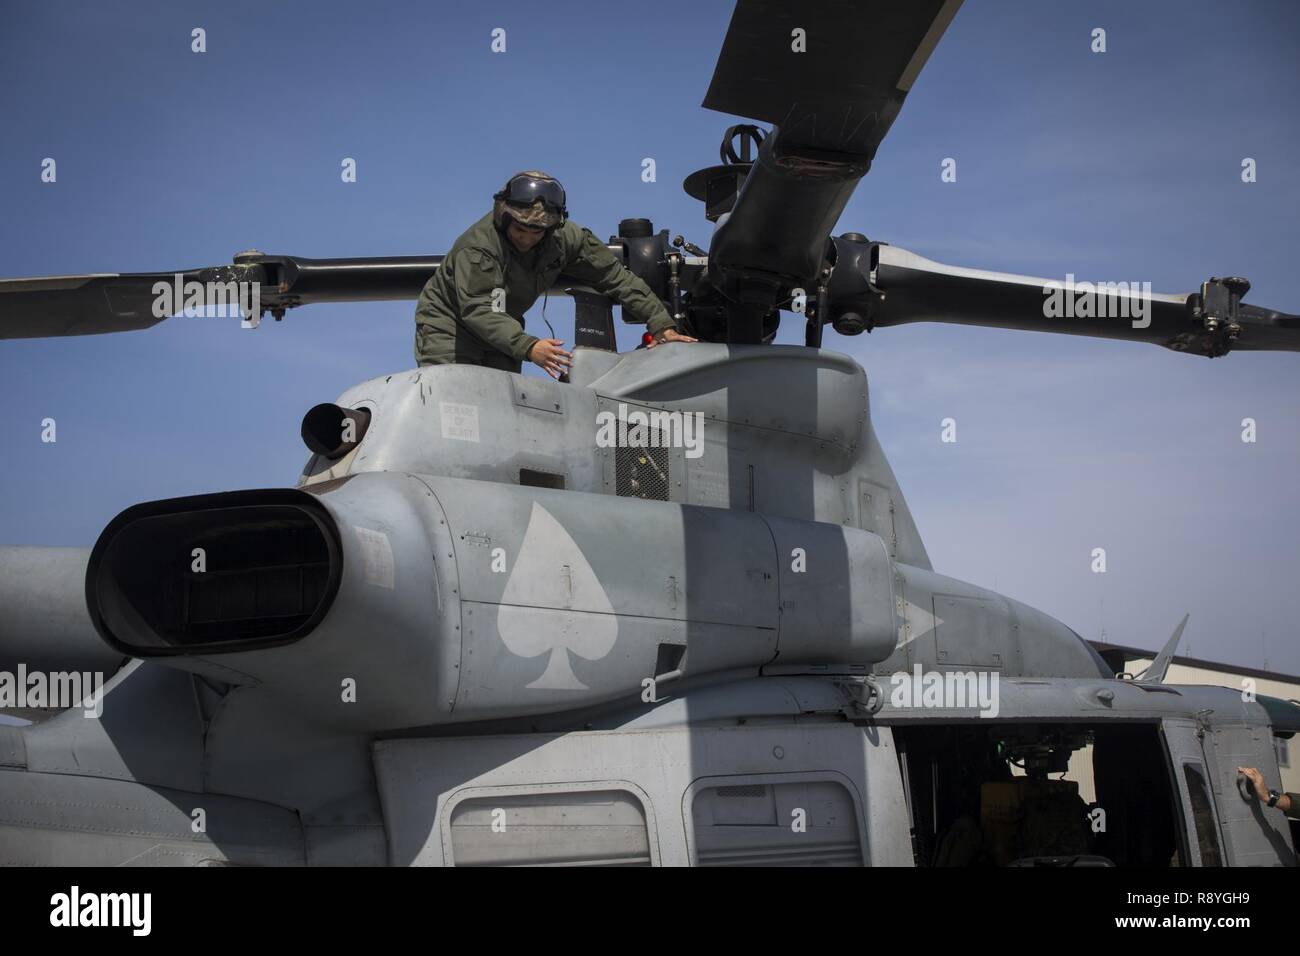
(681, 242)
(1219, 304)
(1217, 309)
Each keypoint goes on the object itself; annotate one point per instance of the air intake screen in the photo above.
(177, 577)
(642, 472)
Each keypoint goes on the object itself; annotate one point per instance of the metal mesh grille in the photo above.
(751, 790)
(642, 472)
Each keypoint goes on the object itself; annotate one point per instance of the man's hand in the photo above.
(1256, 781)
(1261, 789)
(548, 354)
(669, 335)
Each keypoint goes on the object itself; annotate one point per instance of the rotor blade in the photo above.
(79, 305)
(843, 89)
(98, 304)
(887, 285)
(1269, 330)
(831, 76)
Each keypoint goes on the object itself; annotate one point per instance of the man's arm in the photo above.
(594, 264)
(1288, 803)
(478, 275)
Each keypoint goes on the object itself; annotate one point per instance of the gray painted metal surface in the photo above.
(40, 626)
(664, 770)
(679, 661)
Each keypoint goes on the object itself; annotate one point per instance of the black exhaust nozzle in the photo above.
(332, 431)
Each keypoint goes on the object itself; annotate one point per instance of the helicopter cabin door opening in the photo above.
(984, 794)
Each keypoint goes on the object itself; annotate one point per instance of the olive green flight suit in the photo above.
(455, 321)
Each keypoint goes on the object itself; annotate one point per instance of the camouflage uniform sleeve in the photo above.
(595, 265)
(478, 275)
(1294, 812)
(425, 353)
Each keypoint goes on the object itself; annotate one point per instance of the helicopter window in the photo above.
(799, 823)
(588, 828)
(1203, 816)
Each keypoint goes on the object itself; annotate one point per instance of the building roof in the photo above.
(1131, 653)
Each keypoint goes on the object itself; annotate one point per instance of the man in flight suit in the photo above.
(472, 310)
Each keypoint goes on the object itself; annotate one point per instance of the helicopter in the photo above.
(475, 633)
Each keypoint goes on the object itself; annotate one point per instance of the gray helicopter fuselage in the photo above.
(784, 434)
(664, 645)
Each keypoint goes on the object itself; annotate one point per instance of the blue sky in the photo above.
(1123, 165)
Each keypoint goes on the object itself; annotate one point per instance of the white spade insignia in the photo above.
(552, 572)
(920, 623)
